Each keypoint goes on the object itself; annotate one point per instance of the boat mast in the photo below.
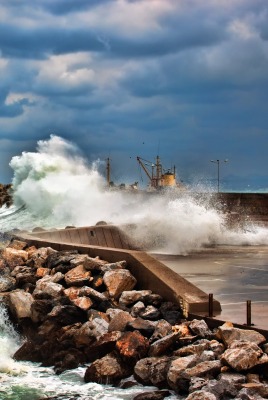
(108, 171)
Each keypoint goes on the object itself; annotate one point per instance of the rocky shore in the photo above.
(76, 310)
(5, 195)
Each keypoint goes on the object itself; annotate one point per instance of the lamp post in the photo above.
(218, 167)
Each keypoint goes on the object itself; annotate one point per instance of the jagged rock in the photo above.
(90, 331)
(40, 310)
(89, 263)
(233, 378)
(152, 370)
(132, 346)
(177, 367)
(146, 328)
(14, 257)
(60, 260)
(7, 283)
(228, 334)
(137, 309)
(179, 379)
(200, 328)
(153, 299)
(108, 369)
(217, 347)
(130, 297)
(118, 281)
(171, 312)
(92, 293)
(242, 355)
(257, 387)
(196, 384)
(196, 348)
(38, 257)
(45, 286)
(201, 395)
(112, 266)
(104, 345)
(19, 303)
(161, 329)
(151, 313)
(78, 276)
(120, 321)
(27, 352)
(68, 359)
(163, 345)
(248, 394)
(221, 388)
(156, 395)
(83, 302)
(66, 315)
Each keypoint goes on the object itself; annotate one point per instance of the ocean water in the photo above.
(55, 187)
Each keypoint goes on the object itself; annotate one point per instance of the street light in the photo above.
(218, 163)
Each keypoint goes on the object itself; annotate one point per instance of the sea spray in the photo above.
(9, 342)
(58, 187)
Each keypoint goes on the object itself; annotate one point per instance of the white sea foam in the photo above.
(58, 188)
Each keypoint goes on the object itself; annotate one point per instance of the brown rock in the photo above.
(120, 321)
(228, 334)
(130, 297)
(20, 303)
(152, 370)
(78, 276)
(163, 345)
(118, 281)
(14, 257)
(155, 395)
(85, 303)
(146, 328)
(177, 367)
(201, 395)
(104, 345)
(200, 328)
(109, 369)
(132, 346)
(242, 356)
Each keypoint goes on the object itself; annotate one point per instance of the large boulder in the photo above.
(152, 370)
(244, 355)
(20, 303)
(14, 257)
(228, 334)
(109, 369)
(117, 281)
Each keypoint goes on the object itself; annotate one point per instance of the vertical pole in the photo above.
(218, 161)
(249, 313)
(108, 171)
(210, 305)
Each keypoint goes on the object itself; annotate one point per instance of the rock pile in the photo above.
(5, 195)
(76, 310)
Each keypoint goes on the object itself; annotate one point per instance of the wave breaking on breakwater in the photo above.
(55, 187)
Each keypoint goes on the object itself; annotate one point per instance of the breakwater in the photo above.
(77, 309)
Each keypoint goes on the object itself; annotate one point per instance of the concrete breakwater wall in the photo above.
(239, 206)
(110, 243)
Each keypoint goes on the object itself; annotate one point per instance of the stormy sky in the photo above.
(185, 79)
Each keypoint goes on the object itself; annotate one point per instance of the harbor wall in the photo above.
(150, 273)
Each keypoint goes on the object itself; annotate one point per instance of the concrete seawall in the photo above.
(112, 244)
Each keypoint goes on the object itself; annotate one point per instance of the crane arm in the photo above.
(144, 168)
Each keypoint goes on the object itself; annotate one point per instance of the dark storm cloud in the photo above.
(126, 75)
(62, 7)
